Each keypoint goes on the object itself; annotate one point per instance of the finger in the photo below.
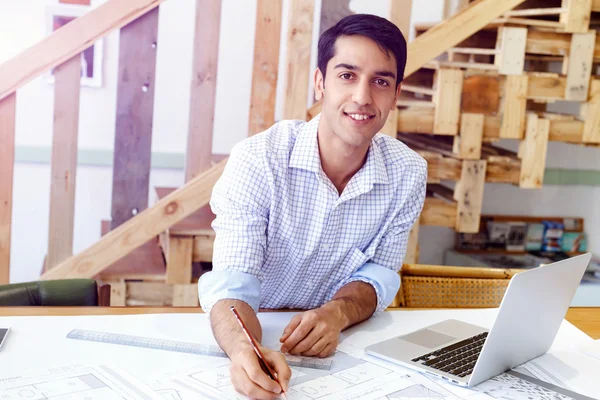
(248, 387)
(308, 342)
(291, 327)
(281, 367)
(258, 377)
(315, 348)
(301, 331)
(327, 351)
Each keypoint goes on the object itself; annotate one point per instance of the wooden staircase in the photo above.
(452, 114)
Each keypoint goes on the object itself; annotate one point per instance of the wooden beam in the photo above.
(451, 32)
(203, 87)
(8, 114)
(469, 195)
(568, 131)
(480, 94)
(266, 65)
(535, 11)
(533, 152)
(179, 259)
(511, 50)
(185, 295)
(503, 170)
(64, 161)
(546, 88)
(453, 7)
(548, 43)
(137, 231)
(135, 107)
(438, 212)
(400, 14)
(298, 58)
(467, 146)
(448, 86)
(580, 67)
(514, 107)
(596, 5)
(70, 40)
(591, 115)
(576, 18)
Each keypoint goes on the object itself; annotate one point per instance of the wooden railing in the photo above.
(63, 46)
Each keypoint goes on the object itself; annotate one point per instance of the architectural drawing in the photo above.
(416, 392)
(75, 383)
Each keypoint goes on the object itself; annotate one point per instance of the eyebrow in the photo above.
(355, 68)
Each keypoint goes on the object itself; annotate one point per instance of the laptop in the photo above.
(530, 314)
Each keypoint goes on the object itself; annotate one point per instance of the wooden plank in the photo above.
(467, 146)
(580, 66)
(443, 168)
(451, 32)
(415, 120)
(591, 115)
(469, 195)
(511, 53)
(179, 259)
(203, 248)
(185, 295)
(118, 293)
(549, 43)
(448, 88)
(533, 152)
(438, 212)
(577, 16)
(400, 14)
(8, 110)
(135, 107)
(298, 58)
(546, 88)
(137, 231)
(265, 67)
(596, 5)
(70, 40)
(64, 161)
(535, 11)
(149, 294)
(514, 107)
(540, 23)
(503, 171)
(480, 94)
(203, 87)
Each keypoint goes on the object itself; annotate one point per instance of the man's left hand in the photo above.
(314, 333)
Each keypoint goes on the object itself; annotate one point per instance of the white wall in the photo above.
(23, 23)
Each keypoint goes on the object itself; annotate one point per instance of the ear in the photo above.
(319, 84)
(396, 97)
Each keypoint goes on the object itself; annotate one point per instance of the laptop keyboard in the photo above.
(457, 359)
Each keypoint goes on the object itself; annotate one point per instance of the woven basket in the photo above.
(433, 286)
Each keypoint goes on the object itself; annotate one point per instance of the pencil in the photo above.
(261, 357)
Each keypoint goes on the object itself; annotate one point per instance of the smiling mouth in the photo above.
(359, 117)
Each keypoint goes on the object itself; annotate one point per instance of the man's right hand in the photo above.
(249, 379)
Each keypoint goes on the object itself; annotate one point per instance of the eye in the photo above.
(346, 76)
(382, 82)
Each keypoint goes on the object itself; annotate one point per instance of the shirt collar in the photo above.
(305, 155)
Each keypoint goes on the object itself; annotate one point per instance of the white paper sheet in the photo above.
(177, 374)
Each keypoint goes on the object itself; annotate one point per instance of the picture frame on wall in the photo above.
(58, 15)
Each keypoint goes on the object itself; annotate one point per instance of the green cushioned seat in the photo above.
(63, 292)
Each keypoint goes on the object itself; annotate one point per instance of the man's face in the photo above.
(359, 90)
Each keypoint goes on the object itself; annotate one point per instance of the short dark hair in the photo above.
(383, 32)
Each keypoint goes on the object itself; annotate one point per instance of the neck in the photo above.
(339, 161)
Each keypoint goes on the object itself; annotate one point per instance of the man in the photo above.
(316, 215)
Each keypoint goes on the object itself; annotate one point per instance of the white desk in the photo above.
(41, 340)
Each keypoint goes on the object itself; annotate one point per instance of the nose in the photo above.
(362, 93)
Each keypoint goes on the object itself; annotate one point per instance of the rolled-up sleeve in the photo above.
(381, 271)
(240, 201)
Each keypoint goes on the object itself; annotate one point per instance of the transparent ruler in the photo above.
(184, 347)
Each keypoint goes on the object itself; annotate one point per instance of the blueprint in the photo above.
(75, 382)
